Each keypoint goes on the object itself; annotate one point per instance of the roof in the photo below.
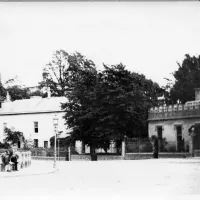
(33, 105)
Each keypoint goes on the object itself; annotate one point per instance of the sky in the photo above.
(148, 37)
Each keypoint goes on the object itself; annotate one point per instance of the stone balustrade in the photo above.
(187, 110)
(23, 161)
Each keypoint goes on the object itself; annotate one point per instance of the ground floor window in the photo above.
(179, 139)
(36, 143)
(160, 132)
(45, 144)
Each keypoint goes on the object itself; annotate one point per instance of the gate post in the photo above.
(193, 134)
(124, 148)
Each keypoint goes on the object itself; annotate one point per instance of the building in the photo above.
(172, 122)
(34, 117)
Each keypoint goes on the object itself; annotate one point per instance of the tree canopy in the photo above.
(12, 136)
(186, 80)
(104, 106)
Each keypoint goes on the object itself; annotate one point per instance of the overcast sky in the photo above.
(148, 38)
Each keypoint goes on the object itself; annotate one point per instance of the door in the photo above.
(45, 144)
(180, 139)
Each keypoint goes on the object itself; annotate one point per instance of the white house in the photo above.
(34, 117)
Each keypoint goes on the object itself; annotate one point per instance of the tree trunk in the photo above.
(93, 152)
(83, 147)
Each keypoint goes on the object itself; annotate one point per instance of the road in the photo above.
(108, 179)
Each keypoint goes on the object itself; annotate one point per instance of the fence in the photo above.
(136, 145)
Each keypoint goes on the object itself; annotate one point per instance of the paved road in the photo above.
(108, 179)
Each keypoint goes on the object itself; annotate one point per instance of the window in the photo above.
(35, 143)
(159, 132)
(45, 144)
(179, 132)
(35, 127)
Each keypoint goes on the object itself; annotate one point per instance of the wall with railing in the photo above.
(177, 111)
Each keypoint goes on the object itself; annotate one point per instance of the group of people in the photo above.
(8, 158)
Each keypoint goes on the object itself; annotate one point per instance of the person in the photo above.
(155, 148)
(14, 159)
(6, 160)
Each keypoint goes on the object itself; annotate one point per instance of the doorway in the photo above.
(180, 139)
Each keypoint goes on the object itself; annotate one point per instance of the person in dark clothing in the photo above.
(14, 159)
(155, 148)
(6, 160)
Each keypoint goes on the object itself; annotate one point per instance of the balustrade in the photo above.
(175, 111)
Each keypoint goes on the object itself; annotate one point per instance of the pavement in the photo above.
(118, 179)
(36, 168)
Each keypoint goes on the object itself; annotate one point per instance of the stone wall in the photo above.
(129, 156)
(169, 130)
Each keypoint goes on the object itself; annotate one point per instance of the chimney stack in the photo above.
(48, 93)
(197, 94)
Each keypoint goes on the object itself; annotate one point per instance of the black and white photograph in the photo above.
(99, 100)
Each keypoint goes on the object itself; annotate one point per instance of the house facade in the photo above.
(34, 117)
(172, 122)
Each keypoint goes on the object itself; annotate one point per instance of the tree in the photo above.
(54, 73)
(37, 93)
(63, 142)
(186, 80)
(105, 106)
(81, 80)
(15, 89)
(4, 145)
(13, 137)
(2, 91)
(16, 92)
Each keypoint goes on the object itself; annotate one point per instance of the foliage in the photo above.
(17, 92)
(54, 73)
(28, 144)
(12, 136)
(195, 127)
(105, 106)
(4, 145)
(2, 92)
(63, 142)
(186, 80)
(153, 138)
(37, 93)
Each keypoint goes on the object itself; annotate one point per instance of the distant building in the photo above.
(33, 117)
(172, 122)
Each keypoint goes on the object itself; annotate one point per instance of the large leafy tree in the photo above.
(186, 80)
(107, 105)
(81, 81)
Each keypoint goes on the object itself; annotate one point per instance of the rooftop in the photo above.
(33, 105)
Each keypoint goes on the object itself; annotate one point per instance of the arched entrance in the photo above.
(194, 132)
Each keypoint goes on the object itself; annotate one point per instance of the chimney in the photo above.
(7, 97)
(48, 93)
(197, 94)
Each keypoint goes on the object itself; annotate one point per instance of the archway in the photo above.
(194, 132)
